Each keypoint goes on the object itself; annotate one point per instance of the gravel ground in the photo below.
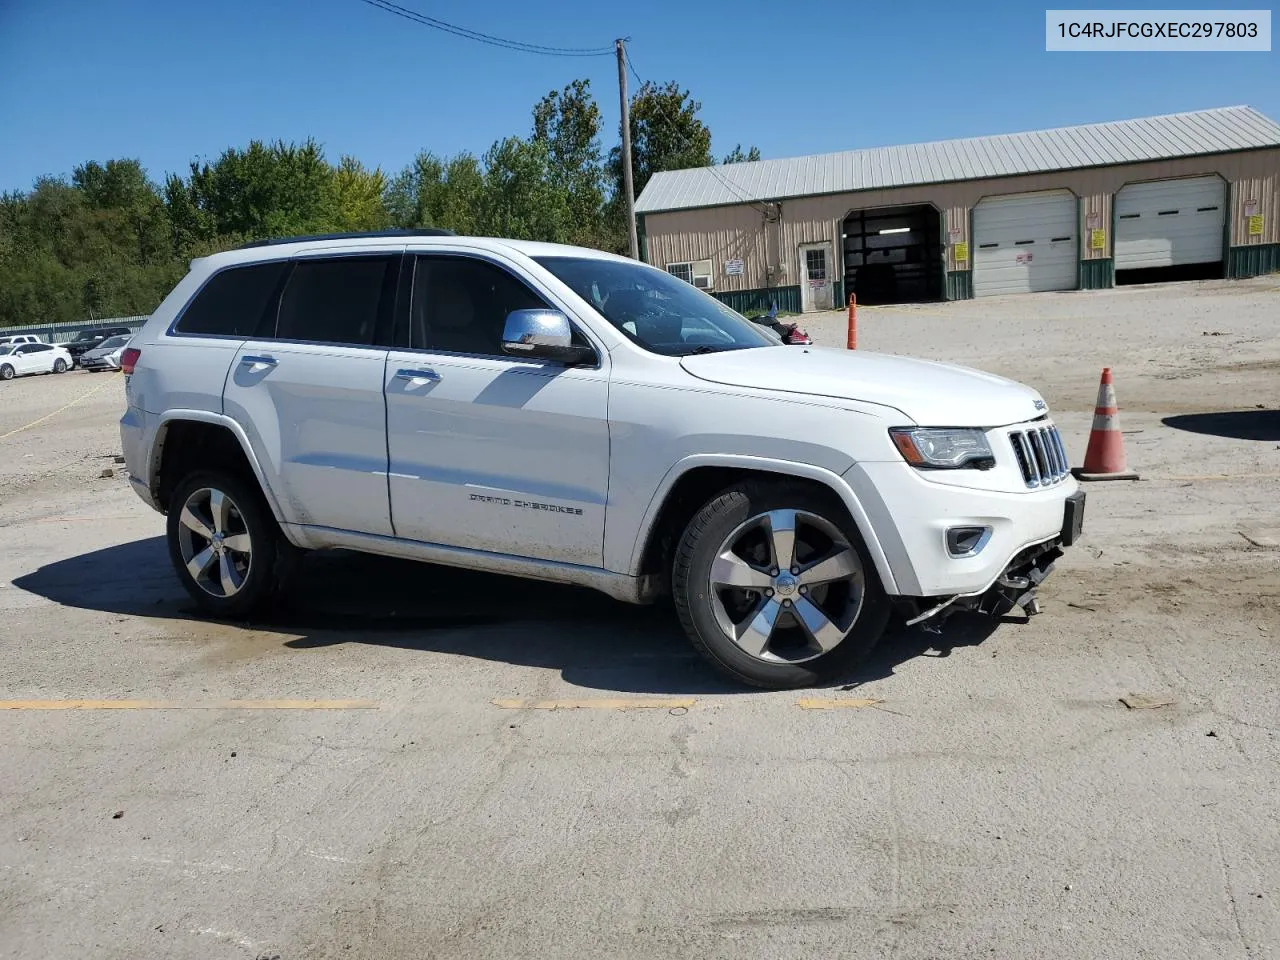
(976, 793)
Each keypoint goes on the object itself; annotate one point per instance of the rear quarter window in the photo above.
(235, 302)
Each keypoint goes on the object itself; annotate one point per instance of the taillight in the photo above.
(129, 359)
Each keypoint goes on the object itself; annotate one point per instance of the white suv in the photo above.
(568, 415)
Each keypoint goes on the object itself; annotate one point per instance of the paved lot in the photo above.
(976, 793)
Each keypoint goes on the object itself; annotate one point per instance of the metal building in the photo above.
(1189, 195)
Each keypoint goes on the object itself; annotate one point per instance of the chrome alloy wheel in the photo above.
(215, 543)
(786, 586)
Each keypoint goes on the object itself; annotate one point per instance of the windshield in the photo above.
(5, 349)
(113, 343)
(658, 311)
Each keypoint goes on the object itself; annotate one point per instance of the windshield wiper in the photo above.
(700, 349)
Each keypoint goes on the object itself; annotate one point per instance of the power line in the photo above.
(469, 34)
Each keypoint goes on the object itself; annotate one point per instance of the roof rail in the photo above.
(358, 235)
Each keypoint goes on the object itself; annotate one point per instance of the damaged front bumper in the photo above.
(1016, 586)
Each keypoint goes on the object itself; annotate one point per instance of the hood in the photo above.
(102, 351)
(931, 394)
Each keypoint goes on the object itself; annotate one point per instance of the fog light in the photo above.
(967, 541)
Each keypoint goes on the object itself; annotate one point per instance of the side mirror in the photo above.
(542, 334)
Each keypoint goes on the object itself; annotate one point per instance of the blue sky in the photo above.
(171, 80)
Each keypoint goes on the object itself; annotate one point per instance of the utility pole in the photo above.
(628, 185)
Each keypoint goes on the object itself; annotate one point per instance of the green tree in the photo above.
(358, 197)
(435, 193)
(267, 190)
(521, 199)
(457, 200)
(568, 123)
(737, 156)
(666, 134)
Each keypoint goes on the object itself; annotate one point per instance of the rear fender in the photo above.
(216, 419)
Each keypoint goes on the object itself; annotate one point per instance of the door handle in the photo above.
(412, 376)
(258, 361)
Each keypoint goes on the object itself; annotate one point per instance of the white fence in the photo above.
(65, 332)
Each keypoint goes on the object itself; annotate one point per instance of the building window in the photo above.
(696, 272)
(815, 262)
(682, 270)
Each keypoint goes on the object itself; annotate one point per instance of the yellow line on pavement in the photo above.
(606, 703)
(82, 519)
(67, 406)
(188, 705)
(835, 703)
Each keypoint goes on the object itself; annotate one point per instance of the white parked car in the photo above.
(18, 360)
(17, 338)
(106, 355)
(573, 416)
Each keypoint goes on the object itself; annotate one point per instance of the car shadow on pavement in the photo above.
(1235, 424)
(339, 598)
(901, 644)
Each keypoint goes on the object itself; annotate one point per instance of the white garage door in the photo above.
(1025, 243)
(1166, 223)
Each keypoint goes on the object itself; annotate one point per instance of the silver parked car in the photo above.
(105, 356)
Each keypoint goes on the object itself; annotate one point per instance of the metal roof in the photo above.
(975, 158)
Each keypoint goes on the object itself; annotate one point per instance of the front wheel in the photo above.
(775, 588)
(6, 372)
(59, 366)
(224, 543)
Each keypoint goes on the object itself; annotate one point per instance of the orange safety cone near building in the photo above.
(1104, 457)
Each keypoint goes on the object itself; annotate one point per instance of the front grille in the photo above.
(1040, 454)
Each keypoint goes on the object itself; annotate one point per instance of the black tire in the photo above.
(6, 372)
(269, 550)
(59, 366)
(690, 578)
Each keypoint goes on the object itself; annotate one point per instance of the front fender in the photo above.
(785, 468)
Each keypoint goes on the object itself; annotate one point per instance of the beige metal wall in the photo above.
(1259, 190)
(717, 231)
(1099, 206)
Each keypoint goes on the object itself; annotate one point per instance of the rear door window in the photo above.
(236, 302)
(345, 300)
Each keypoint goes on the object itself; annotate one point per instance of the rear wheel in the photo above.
(59, 366)
(224, 543)
(775, 588)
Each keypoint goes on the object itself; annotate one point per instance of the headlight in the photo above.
(946, 448)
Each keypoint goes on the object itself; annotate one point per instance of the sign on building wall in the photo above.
(1097, 239)
(1251, 207)
(733, 268)
(1023, 258)
(1093, 220)
(955, 234)
(1255, 226)
(960, 251)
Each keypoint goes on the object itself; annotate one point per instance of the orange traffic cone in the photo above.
(1104, 458)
